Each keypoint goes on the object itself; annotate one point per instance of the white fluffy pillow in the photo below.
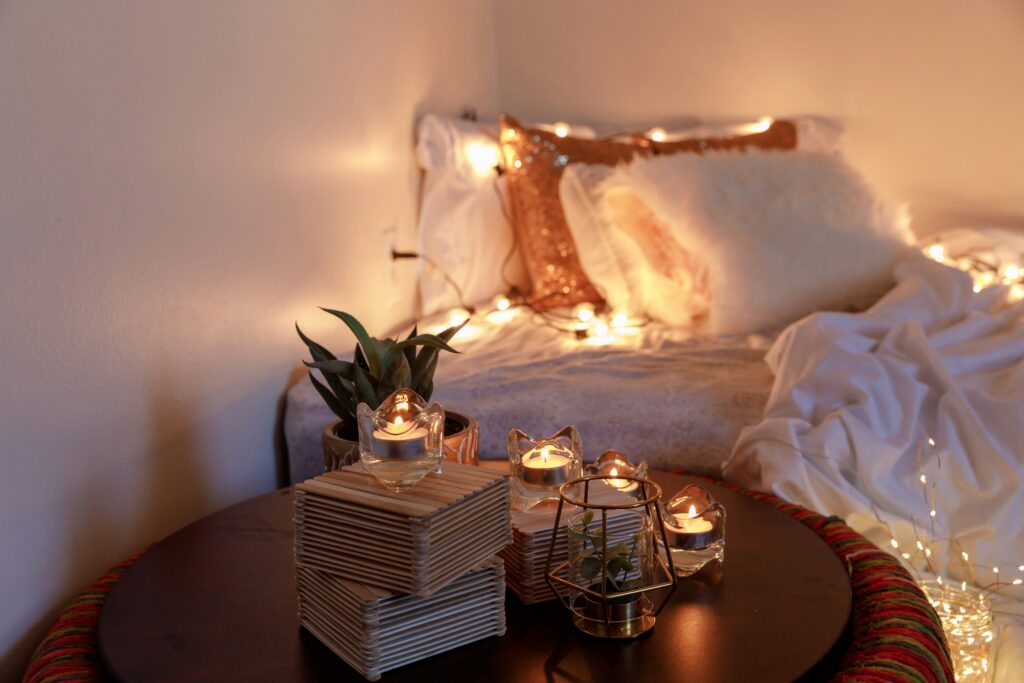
(628, 252)
(783, 234)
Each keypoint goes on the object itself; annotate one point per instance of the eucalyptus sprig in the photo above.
(377, 369)
(619, 559)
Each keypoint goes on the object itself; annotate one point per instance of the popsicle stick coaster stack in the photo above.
(375, 630)
(526, 558)
(412, 542)
(385, 579)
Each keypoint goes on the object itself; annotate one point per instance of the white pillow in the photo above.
(783, 234)
(461, 224)
(628, 252)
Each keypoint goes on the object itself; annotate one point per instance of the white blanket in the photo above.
(856, 396)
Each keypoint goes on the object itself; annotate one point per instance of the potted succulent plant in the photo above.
(379, 367)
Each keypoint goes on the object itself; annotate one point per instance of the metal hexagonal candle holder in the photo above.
(615, 571)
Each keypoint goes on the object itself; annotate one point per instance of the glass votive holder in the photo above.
(966, 618)
(400, 442)
(540, 466)
(694, 529)
(615, 465)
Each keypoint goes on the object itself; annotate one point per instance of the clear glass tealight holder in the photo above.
(540, 466)
(400, 442)
(616, 466)
(694, 529)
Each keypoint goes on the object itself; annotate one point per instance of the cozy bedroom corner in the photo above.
(512, 340)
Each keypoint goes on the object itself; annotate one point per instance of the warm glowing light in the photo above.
(964, 555)
(936, 252)
(763, 124)
(517, 163)
(562, 129)
(1011, 272)
(932, 513)
(502, 303)
(894, 543)
(483, 157)
(931, 442)
(583, 312)
(1016, 292)
(599, 329)
(657, 134)
(509, 133)
(457, 316)
(692, 512)
(995, 570)
(620, 320)
(924, 479)
(1017, 582)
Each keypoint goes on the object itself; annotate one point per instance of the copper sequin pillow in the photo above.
(535, 159)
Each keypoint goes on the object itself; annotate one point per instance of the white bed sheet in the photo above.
(857, 395)
(654, 393)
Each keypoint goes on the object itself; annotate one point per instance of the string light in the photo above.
(583, 312)
(620, 320)
(763, 124)
(936, 252)
(483, 157)
(657, 134)
(562, 129)
(502, 303)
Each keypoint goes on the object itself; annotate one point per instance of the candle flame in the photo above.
(693, 512)
(398, 420)
(613, 471)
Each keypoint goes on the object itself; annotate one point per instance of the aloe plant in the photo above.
(378, 368)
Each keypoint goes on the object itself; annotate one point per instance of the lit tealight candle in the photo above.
(689, 523)
(400, 439)
(624, 485)
(547, 465)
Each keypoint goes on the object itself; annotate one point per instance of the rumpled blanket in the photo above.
(856, 399)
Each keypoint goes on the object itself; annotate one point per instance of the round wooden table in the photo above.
(216, 601)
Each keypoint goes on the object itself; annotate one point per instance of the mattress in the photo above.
(662, 395)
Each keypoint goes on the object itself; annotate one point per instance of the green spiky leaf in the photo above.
(366, 392)
(342, 368)
(362, 336)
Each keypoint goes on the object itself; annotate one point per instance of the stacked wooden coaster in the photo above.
(375, 630)
(526, 559)
(388, 578)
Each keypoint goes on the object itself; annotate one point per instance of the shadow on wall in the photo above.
(297, 374)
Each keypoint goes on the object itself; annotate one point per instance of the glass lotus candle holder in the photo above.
(966, 618)
(616, 465)
(613, 576)
(400, 442)
(695, 529)
(540, 466)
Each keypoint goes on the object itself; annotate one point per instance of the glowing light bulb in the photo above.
(931, 512)
(562, 129)
(964, 555)
(599, 329)
(1016, 292)
(620, 320)
(457, 316)
(924, 479)
(517, 163)
(763, 124)
(936, 252)
(1011, 272)
(1017, 582)
(502, 303)
(657, 134)
(583, 312)
(894, 543)
(931, 442)
(482, 157)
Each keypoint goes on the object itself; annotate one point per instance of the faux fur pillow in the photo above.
(782, 234)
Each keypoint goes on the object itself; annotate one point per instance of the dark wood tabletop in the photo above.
(216, 601)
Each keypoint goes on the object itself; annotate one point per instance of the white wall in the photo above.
(930, 91)
(179, 182)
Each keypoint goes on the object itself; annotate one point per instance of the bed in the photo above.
(654, 393)
(784, 330)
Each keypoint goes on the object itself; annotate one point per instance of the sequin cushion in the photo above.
(534, 161)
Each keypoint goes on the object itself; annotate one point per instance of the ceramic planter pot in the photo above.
(461, 442)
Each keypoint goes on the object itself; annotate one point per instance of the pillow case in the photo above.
(462, 226)
(630, 253)
(782, 235)
(535, 160)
